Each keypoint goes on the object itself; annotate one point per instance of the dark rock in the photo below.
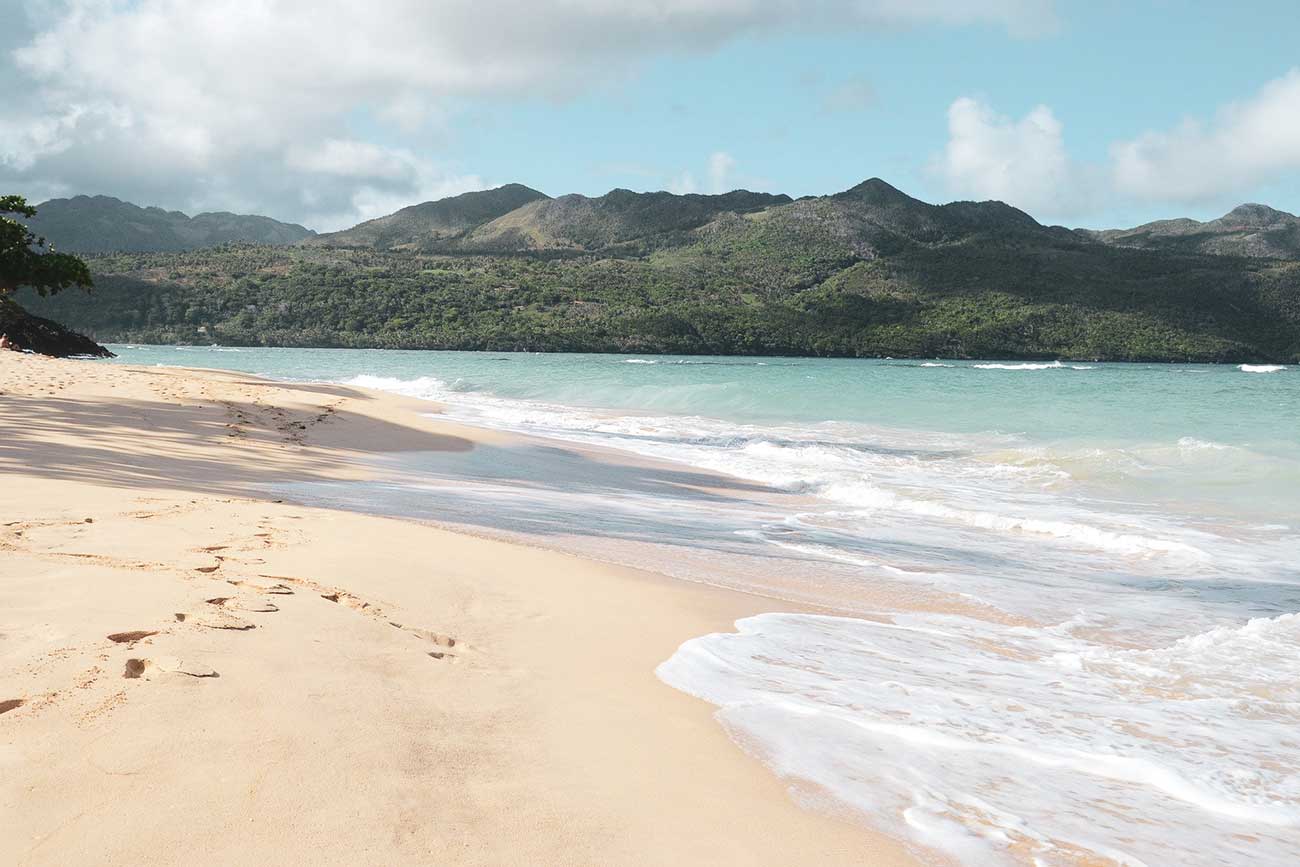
(44, 336)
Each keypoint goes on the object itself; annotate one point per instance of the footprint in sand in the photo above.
(346, 599)
(144, 668)
(276, 589)
(241, 604)
(131, 637)
(11, 704)
(427, 634)
(216, 619)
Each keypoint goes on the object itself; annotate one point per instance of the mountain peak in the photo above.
(1251, 229)
(1254, 214)
(495, 197)
(519, 188)
(429, 222)
(875, 191)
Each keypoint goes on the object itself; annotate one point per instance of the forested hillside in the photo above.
(1247, 230)
(867, 272)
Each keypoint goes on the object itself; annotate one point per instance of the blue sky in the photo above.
(1097, 114)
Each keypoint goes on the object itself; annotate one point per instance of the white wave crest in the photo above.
(1261, 368)
(1193, 444)
(424, 387)
(1087, 535)
(1028, 365)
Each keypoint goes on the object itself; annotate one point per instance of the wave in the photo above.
(1194, 444)
(1055, 365)
(423, 387)
(1261, 368)
(1028, 365)
(877, 473)
(1087, 535)
(984, 740)
(213, 347)
(705, 362)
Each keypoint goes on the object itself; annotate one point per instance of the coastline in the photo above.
(417, 695)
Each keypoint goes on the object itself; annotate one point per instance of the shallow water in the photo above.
(1076, 583)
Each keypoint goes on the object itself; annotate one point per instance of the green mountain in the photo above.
(517, 219)
(620, 220)
(1247, 230)
(98, 224)
(866, 272)
(427, 224)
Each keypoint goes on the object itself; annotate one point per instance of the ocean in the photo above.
(1040, 612)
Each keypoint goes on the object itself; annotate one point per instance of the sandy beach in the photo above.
(194, 673)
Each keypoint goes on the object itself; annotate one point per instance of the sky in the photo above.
(329, 112)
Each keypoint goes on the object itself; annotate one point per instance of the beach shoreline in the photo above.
(328, 686)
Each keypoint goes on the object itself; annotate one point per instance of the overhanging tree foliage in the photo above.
(26, 260)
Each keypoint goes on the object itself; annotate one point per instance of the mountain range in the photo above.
(1247, 230)
(102, 224)
(869, 271)
(515, 219)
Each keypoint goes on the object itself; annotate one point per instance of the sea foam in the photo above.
(980, 739)
(1110, 734)
(1031, 365)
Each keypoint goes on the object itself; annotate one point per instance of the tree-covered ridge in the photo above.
(517, 219)
(735, 290)
(96, 224)
(1247, 230)
(429, 223)
(621, 221)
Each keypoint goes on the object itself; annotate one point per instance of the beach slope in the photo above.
(194, 672)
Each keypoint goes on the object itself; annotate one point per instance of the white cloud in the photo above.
(349, 158)
(1022, 162)
(683, 183)
(1247, 143)
(721, 164)
(24, 141)
(1218, 163)
(221, 102)
(719, 169)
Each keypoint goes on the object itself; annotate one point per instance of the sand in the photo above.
(192, 673)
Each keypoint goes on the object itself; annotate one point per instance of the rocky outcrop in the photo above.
(44, 336)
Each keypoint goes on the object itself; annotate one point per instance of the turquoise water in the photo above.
(1074, 401)
(1075, 586)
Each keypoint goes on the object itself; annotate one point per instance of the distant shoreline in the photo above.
(965, 359)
